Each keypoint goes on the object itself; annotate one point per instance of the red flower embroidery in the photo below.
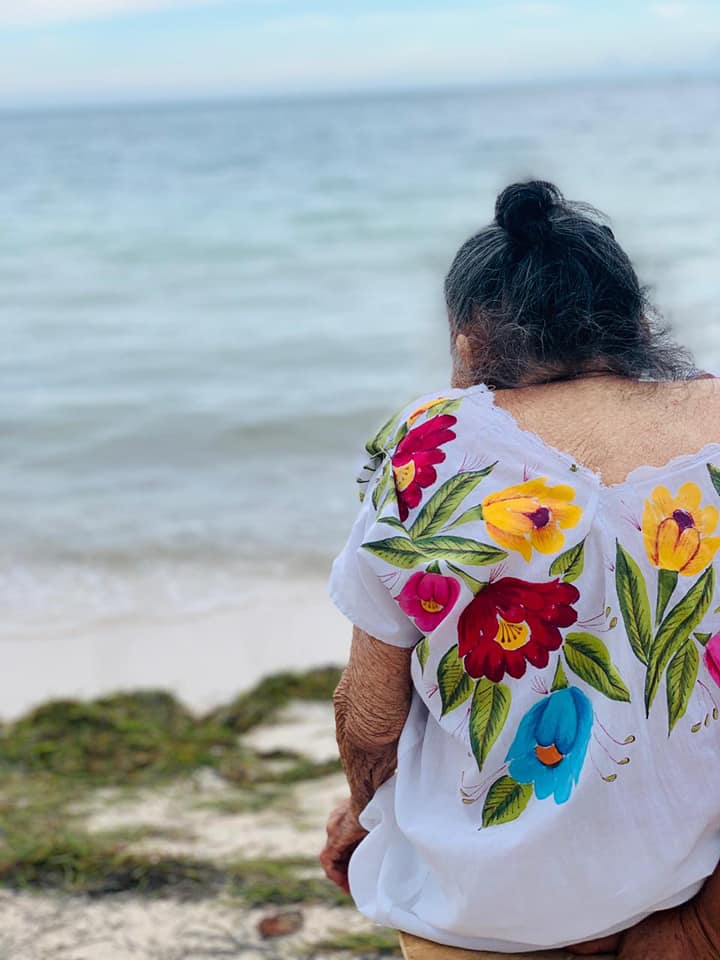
(511, 622)
(428, 598)
(414, 457)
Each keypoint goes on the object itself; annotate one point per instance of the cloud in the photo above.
(671, 11)
(38, 12)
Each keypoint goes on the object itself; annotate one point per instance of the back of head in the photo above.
(546, 291)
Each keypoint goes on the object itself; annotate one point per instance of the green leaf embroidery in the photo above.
(402, 430)
(470, 516)
(588, 657)
(433, 567)
(569, 565)
(423, 652)
(366, 475)
(505, 801)
(394, 523)
(681, 676)
(399, 551)
(459, 549)
(381, 484)
(380, 442)
(445, 501)
(714, 476)
(702, 638)
(488, 713)
(405, 553)
(390, 494)
(455, 685)
(634, 603)
(474, 585)
(667, 580)
(560, 681)
(449, 406)
(675, 629)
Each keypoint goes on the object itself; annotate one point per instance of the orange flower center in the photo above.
(511, 636)
(431, 606)
(549, 756)
(404, 475)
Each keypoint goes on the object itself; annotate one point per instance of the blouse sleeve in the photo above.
(358, 592)
(360, 587)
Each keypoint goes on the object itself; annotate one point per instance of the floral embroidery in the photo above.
(551, 743)
(388, 437)
(424, 408)
(414, 458)
(711, 657)
(676, 530)
(669, 651)
(531, 515)
(428, 598)
(677, 537)
(512, 622)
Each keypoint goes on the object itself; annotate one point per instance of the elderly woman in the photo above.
(528, 717)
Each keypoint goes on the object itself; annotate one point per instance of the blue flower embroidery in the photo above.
(551, 742)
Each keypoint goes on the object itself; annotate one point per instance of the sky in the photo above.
(96, 50)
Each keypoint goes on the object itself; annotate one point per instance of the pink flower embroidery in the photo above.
(712, 657)
(414, 459)
(428, 598)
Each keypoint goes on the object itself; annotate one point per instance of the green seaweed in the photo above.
(115, 739)
(148, 735)
(283, 881)
(56, 757)
(262, 702)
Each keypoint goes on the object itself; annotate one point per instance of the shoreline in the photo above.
(203, 658)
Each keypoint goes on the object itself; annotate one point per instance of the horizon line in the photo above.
(149, 100)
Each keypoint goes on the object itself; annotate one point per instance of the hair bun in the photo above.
(523, 210)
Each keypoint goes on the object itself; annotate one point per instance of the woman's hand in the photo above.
(344, 833)
(678, 934)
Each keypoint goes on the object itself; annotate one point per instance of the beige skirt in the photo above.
(415, 948)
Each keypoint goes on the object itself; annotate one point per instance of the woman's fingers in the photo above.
(344, 833)
(335, 870)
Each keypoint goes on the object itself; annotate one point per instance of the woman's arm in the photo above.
(371, 704)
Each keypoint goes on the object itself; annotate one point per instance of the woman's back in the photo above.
(561, 741)
(613, 425)
(546, 554)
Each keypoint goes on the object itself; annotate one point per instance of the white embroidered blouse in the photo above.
(558, 775)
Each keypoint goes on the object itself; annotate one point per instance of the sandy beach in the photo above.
(206, 816)
(203, 658)
(264, 833)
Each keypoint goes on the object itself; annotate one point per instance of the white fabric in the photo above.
(599, 842)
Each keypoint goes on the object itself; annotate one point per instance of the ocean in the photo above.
(207, 308)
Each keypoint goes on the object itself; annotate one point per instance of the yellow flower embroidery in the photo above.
(676, 530)
(424, 408)
(531, 515)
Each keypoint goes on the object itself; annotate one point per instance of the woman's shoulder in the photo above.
(427, 406)
(421, 426)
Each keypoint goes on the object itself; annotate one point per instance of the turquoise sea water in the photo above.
(206, 308)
